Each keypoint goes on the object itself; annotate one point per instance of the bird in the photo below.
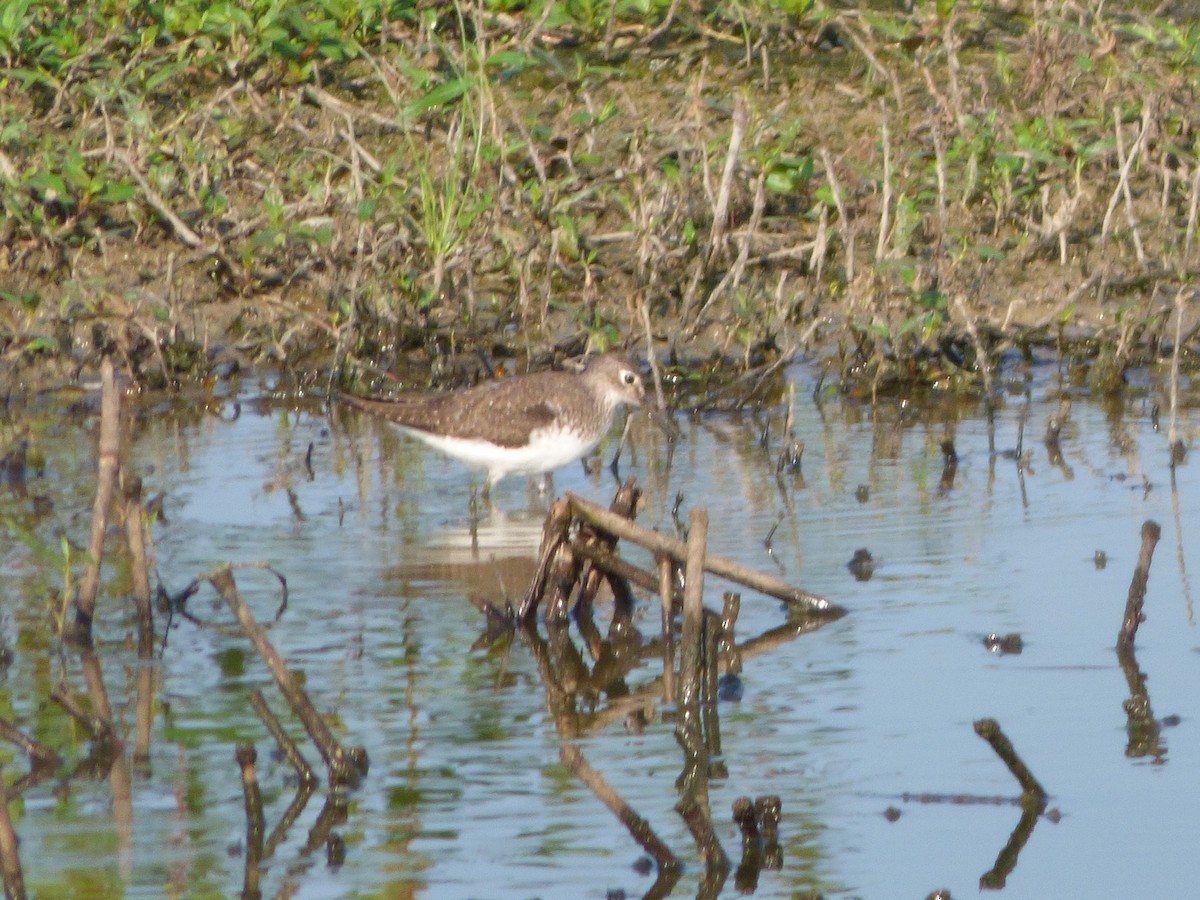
(521, 425)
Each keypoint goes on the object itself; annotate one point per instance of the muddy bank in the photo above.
(911, 198)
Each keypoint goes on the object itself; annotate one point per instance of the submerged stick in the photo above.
(1172, 429)
(333, 813)
(731, 605)
(1137, 587)
(145, 712)
(282, 739)
(604, 558)
(690, 641)
(97, 693)
(696, 814)
(687, 727)
(662, 545)
(38, 753)
(1031, 789)
(624, 504)
(288, 819)
(1006, 860)
(639, 829)
(109, 464)
(135, 536)
(554, 532)
(96, 727)
(768, 811)
(99, 721)
(247, 756)
(747, 815)
(345, 766)
(666, 593)
(10, 853)
(710, 637)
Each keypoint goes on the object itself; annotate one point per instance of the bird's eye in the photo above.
(630, 378)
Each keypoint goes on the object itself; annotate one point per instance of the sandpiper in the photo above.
(523, 425)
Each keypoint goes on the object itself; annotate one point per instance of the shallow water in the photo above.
(468, 795)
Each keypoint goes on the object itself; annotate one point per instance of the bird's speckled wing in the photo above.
(503, 411)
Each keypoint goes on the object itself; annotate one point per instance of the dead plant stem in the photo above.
(886, 204)
(950, 41)
(156, 201)
(871, 58)
(741, 121)
(1122, 191)
(651, 357)
(1190, 238)
(843, 219)
(106, 482)
(731, 278)
(659, 30)
(939, 151)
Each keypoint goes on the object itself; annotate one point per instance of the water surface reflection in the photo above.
(469, 794)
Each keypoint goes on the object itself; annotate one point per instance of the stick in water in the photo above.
(1031, 789)
(109, 450)
(1137, 588)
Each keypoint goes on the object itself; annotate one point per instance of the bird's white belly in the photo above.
(548, 449)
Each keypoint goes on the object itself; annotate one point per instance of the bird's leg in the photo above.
(615, 465)
(487, 492)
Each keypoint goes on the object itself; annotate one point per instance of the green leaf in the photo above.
(912, 323)
(985, 252)
(40, 344)
(780, 181)
(607, 112)
(116, 192)
(441, 95)
(166, 73)
(13, 19)
(75, 171)
(50, 186)
(27, 300)
(510, 61)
